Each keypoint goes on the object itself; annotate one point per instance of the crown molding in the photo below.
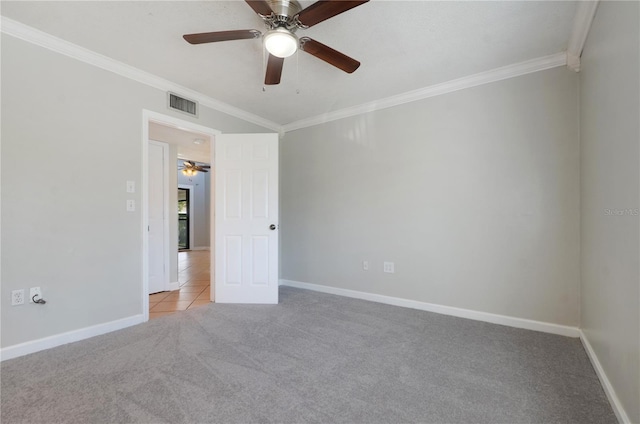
(581, 25)
(48, 41)
(498, 74)
(573, 62)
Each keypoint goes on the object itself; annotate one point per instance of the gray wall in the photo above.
(474, 195)
(64, 224)
(609, 103)
(201, 183)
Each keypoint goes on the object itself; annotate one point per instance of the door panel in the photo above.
(157, 218)
(260, 260)
(260, 194)
(232, 194)
(233, 260)
(246, 193)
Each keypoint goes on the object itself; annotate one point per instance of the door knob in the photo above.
(272, 226)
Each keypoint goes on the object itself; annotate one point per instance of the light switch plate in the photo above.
(389, 267)
(131, 186)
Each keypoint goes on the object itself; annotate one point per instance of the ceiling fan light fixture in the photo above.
(280, 42)
(189, 172)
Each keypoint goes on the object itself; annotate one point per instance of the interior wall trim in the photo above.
(33, 346)
(58, 45)
(614, 400)
(48, 41)
(581, 26)
(545, 327)
(493, 75)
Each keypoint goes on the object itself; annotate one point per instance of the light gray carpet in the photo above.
(312, 358)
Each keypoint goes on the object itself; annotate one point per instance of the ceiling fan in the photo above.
(191, 168)
(282, 19)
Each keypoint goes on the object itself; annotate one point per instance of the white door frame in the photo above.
(190, 188)
(147, 117)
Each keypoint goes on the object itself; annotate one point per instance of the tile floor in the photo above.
(194, 278)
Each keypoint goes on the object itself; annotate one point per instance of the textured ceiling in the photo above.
(403, 46)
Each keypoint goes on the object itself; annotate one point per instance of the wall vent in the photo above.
(181, 104)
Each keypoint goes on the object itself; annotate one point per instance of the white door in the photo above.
(246, 218)
(158, 220)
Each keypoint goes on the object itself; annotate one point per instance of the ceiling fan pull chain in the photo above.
(298, 71)
(264, 67)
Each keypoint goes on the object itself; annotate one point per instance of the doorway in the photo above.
(182, 284)
(245, 228)
(185, 222)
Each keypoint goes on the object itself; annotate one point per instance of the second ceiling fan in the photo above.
(282, 19)
(191, 168)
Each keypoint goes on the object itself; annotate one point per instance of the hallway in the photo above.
(194, 278)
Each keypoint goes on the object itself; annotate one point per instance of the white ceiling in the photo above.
(191, 145)
(403, 46)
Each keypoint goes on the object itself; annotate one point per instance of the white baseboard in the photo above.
(616, 405)
(200, 248)
(528, 324)
(33, 346)
(174, 286)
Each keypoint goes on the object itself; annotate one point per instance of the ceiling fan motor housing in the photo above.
(283, 14)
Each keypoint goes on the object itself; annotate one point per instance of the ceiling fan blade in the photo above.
(211, 37)
(329, 55)
(261, 7)
(325, 9)
(274, 70)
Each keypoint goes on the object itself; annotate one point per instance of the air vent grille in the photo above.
(183, 105)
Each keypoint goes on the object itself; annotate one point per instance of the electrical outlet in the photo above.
(389, 267)
(35, 291)
(131, 205)
(365, 265)
(17, 297)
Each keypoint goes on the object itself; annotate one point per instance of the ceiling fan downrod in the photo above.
(283, 15)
